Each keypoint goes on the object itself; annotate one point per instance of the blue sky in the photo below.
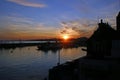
(34, 19)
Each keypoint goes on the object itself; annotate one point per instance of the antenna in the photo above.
(58, 58)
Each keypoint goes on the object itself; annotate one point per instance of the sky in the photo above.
(44, 19)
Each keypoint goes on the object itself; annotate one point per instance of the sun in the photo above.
(65, 37)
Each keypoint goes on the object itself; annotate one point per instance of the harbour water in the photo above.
(28, 63)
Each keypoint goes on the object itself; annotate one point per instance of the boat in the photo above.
(84, 49)
(50, 46)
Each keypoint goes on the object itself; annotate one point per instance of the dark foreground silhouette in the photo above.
(102, 61)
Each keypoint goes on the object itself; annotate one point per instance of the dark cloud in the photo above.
(64, 32)
(78, 27)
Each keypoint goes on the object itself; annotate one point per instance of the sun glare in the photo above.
(65, 37)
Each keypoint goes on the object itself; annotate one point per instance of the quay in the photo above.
(87, 69)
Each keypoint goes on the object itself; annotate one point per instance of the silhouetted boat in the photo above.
(51, 46)
(84, 49)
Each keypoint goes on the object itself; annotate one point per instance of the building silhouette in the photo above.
(105, 42)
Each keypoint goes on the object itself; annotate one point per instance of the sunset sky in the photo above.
(43, 19)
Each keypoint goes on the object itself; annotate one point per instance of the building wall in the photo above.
(99, 48)
(115, 48)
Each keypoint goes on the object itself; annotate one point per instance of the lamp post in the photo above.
(58, 57)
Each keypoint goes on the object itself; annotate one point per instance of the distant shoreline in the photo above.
(15, 45)
(23, 43)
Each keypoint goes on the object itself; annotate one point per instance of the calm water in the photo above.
(28, 63)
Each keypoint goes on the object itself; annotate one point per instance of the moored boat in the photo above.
(50, 46)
